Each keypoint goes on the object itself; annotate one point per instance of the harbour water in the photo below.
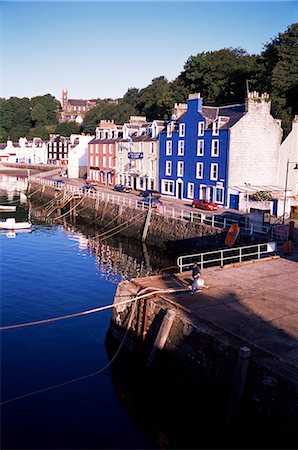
(51, 396)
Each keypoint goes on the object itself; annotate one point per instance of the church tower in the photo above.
(64, 99)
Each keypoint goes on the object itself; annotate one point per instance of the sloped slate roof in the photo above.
(80, 102)
(232, 112)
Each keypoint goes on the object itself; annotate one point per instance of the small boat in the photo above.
(232, 235)
(11, 224)
(7, 208)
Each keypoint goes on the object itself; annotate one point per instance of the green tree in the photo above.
(155, 100)
(278, 75)
(219, 76)
(50, 104)
(66, 129)
(39, 115)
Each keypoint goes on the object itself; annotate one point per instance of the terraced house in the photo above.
(137, 153)
(221, 154)
(102, 153)
(193, 159)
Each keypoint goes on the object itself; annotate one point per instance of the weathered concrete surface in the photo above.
(257, 302)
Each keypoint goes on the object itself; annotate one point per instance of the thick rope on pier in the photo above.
(95, 310)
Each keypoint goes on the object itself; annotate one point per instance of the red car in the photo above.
(203, 204)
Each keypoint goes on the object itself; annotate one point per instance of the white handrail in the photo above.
(222, 256)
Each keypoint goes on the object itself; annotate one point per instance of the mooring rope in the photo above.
(92, 311)
(83, 377)
(71, 209)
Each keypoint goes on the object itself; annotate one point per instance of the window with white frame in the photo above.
(169, 130)
(199, 170)
(201, 128)
(219, 195)
(97, 161)
(167, 187)
(151, 149)
(215, 129)
(104, 148)
(214, 172)
(181, 148)
(151, 166)
(169, 148)
(104, 161)
(215, 147)
(200, 147)
(141, 145)
(190, 190)
(168, 167)
(180, 168)
(110, 148)
(181, 129)
(110, 161)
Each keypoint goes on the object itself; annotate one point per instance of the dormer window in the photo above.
(201, 128)
(181, 129)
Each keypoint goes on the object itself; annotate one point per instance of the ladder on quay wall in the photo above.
(61, 202)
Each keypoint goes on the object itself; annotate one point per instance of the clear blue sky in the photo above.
(100, 49)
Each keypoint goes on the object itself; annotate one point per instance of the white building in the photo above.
(288, 163)
(31, 152)
(78, 155)
(8, 152)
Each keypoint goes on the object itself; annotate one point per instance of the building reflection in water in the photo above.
(118, 258)
(13, 187)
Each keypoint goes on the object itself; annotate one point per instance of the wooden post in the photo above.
(146, 226)
(239, 379)
(162, 335)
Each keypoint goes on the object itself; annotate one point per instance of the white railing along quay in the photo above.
(226, 256)
(169, 211)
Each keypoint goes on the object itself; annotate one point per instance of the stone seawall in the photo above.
(198, 353)
(164, 232)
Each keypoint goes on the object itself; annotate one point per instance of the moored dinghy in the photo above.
(11, 224)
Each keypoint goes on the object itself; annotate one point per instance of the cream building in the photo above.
(137, 154)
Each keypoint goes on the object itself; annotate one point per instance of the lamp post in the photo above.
(286, 186)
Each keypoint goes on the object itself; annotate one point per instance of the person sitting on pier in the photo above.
(196, 276)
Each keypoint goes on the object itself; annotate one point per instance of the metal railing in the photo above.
(226, 256)
(274, 232)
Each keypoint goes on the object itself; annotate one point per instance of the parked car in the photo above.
(231, 217)
(149, 192)
(154, 202)
(204, 204)
(59, 181)
(121, 188)
(88, 187)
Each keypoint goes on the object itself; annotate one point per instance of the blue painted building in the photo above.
(193, 153)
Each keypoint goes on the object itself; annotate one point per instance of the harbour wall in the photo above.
(240, 378)
(164, 232)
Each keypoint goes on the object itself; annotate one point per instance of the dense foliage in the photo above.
(222, 77)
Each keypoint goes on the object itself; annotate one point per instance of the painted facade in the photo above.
(78, 155)
(137, 154)
(102, 153)
(58, 147)
(193, 155)
(222, 154)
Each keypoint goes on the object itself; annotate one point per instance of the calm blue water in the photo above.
(46, 274)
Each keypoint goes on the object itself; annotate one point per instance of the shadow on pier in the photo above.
(186, 398)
